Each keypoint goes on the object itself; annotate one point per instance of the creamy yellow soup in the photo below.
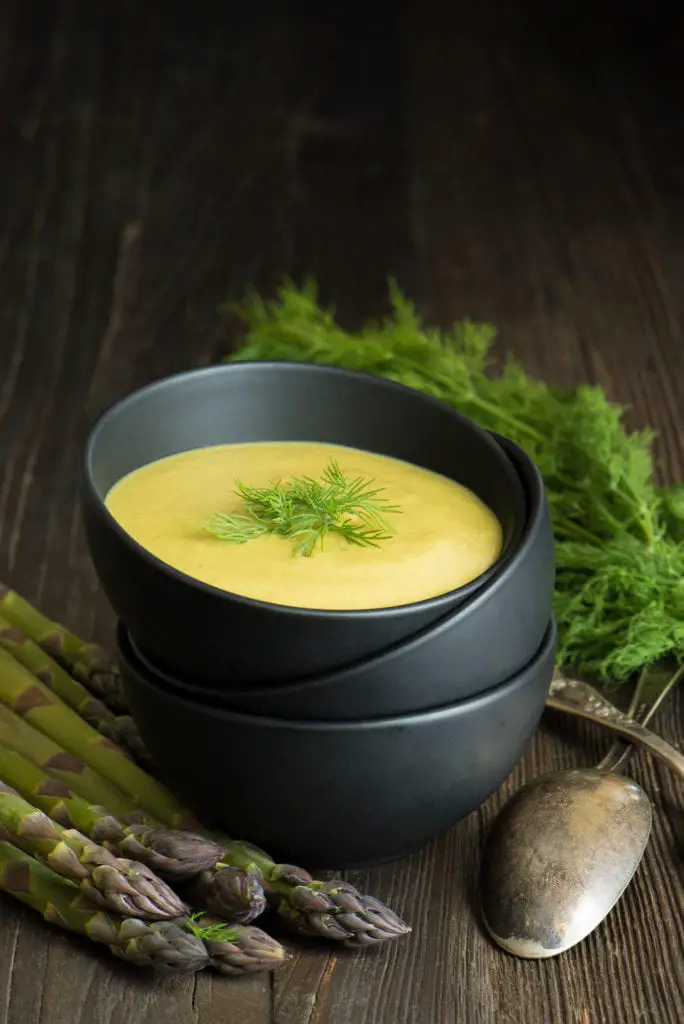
(444, 536)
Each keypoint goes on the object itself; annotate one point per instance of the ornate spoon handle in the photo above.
(654, 684)
(578, 698)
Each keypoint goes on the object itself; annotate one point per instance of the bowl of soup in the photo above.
(202, 493)
(332, 793)
(483, 642)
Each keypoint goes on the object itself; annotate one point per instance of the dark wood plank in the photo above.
(520, 165)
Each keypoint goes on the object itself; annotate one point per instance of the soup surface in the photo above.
(444, 536)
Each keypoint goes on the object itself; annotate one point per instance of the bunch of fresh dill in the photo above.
(619, 595)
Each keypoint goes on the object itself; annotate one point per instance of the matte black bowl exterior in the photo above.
(199, 632)
(480, 644)
(338, 794)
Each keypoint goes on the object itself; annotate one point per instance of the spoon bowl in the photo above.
(565, 847)
(558, 858)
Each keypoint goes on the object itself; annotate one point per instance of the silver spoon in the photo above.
(564, 848)
(578, 698)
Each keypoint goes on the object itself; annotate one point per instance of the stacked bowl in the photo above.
(336, 738)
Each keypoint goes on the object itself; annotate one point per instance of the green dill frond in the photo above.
(307, 510)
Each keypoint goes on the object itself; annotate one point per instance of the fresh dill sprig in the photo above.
(215, 932)
(307, 510)
(619, 597)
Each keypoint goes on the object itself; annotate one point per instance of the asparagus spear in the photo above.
(235, 894)
(229, 949)
(119, 728)
(236, 949)
(170, 947)
(87, 663)
(167, 947)
(330, 910)
(173, 854)
(18, 735)
(31, 699)
(114, 883)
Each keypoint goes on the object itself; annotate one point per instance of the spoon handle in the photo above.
(578, 698)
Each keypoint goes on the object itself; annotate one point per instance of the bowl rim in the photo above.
(537, 514)
(483, 581)
(474, 702)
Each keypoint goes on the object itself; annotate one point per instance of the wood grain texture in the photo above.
(522, 165)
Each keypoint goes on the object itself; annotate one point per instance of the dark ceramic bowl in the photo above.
(198, 632)
(338, 794)
(480, 644)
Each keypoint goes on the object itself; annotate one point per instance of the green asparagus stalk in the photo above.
(236, 949)
(232, 893)
(332, 910)
(229, 949)
(87, 663)
(172, 854)
(41, 665)
(119, 728)
(16, 734)
(169, 947)
(28, 697)
(114, 883)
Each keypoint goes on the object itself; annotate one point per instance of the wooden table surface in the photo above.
(522, 165)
